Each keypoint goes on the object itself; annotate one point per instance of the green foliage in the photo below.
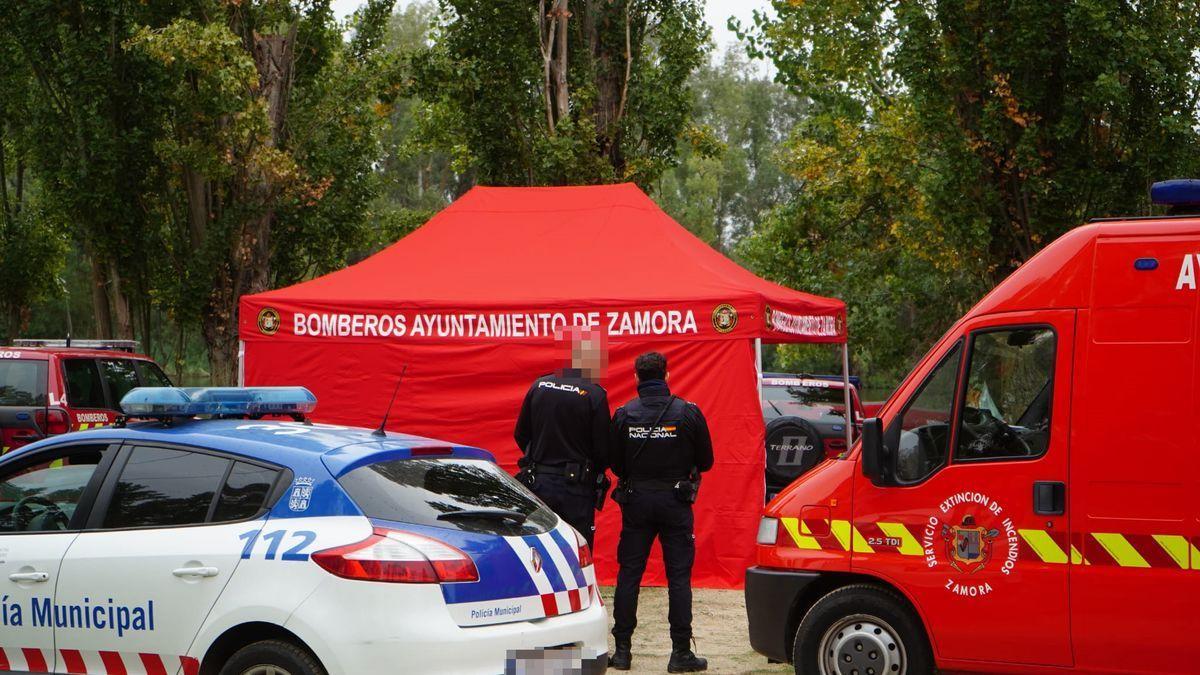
(949, 141)
(730, 173)
(32, 247)
(82, 132)
(188, 163)
(416, 177)
(486, 97)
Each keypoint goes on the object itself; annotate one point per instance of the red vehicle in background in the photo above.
(806, 422)
(1027, 500)
(49, 388)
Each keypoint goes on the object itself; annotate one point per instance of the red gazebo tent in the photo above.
(470, 301)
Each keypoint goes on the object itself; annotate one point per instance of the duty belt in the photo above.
(661, 484)
(559, 470)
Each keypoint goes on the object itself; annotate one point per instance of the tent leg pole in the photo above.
(846, 392)
(758, 365)
(241, 373)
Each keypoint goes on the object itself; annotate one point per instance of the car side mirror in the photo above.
(878, 462)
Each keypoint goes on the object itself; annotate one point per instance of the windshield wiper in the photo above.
(775, 407)
(486, 514)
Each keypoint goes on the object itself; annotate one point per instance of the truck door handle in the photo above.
(37, 577)
(195, 572)
(1049, 498)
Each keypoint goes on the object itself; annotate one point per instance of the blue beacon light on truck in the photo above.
(240, 401)
(1178, 192)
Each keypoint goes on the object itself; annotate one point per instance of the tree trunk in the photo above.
(608, 29)
(248, 270)
(562, 94)
(100, 308)
(199, 197)
(122, 316)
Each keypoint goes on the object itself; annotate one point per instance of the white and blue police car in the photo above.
(231, 536)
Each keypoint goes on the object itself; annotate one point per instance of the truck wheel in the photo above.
(861, 630)
(272, 657)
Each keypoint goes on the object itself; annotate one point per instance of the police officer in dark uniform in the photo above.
(563, 429)
(661, 445)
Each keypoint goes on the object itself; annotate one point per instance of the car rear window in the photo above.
(22, 382)
(425, 491)
(819, 404)
(245, 492)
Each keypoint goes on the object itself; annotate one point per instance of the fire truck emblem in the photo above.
(968, 547)
(268, 321)
(724, 318)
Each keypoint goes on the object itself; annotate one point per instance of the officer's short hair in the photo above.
(650, 366)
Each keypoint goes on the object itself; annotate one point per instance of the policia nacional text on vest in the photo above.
(563, 429)
(661, 444)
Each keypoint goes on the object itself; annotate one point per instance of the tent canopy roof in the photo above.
(546, 248)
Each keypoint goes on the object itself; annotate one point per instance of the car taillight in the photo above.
(398, 557)
(585, 553)
(834, 447)
(52, 421)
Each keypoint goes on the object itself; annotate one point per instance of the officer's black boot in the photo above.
(621, 658)
(684, 660)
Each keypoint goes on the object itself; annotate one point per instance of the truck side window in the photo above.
(925, 426)
(84, 388)
(1006, 404)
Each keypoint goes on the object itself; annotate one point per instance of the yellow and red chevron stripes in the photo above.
(1164, 551)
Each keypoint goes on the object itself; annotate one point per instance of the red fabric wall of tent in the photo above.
(469, 303)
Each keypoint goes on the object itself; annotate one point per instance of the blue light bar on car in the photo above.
(1180, 192)
(237, 401)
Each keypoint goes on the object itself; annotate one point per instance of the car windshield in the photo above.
(465, 494)
(799, 398)
(22, 382)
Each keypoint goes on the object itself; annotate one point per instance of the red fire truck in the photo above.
(1029, 498)
(50, 387)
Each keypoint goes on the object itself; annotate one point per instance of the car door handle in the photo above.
(1049, 498)
(195, 572)
(37, 577)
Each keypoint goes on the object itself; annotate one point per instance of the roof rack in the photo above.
(114, 345)
(1118, 219)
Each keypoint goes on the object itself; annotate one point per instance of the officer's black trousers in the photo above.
(573, 502)
(647, 514)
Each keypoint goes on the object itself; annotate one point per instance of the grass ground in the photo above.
(719, 626)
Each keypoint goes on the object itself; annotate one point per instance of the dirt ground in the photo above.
(718, 623)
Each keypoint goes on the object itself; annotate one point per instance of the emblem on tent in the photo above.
(269, 321)
(724, 318)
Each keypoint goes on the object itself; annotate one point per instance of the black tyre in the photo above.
(794, 446)
(861, 630)
(272, 657)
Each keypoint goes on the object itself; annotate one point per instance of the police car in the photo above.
(241, 542)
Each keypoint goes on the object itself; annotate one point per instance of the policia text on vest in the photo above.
(563, 429)
(660, 446)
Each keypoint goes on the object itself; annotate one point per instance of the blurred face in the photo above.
(587, 349)
(588, 354)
